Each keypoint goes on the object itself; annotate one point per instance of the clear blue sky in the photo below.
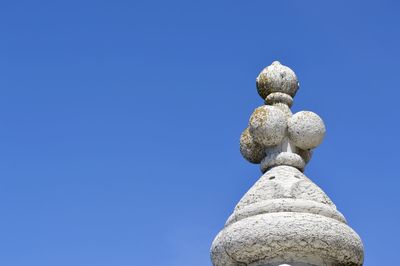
(120, 122)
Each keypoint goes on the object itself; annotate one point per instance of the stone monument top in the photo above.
(284, 219)
(275, 136)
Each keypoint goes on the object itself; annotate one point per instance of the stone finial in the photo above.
(284, 219)
(274, 135)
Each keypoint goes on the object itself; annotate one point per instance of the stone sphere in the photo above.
(268, 125)
(277, 78)
(251, 150)
(306, 130)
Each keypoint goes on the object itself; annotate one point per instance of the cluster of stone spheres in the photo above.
(284, 219)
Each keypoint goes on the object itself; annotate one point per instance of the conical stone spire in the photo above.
(284, 219)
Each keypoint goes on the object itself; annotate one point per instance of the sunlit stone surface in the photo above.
(284, 219)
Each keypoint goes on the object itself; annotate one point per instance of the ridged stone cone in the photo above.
(284, 219)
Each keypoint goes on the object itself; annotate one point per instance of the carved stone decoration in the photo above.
(284, 219)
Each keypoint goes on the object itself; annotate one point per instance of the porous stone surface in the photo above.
(267, 125)
(286, 182)
(277, 78)
(251, 150)
(279, 97)
(284, 218)
(285, 188)
(306, 129)
(279, 157)
(286, 237)
(275, 136)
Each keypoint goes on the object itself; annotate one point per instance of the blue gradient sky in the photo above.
(120, 122)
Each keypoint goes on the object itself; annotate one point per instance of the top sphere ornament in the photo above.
(277, 78)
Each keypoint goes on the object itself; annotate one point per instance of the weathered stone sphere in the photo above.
(277, 78)
(251, 150)
(267, 125)
(306, 130)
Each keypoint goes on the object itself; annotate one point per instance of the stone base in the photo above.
(286, 219)
(292, 238)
